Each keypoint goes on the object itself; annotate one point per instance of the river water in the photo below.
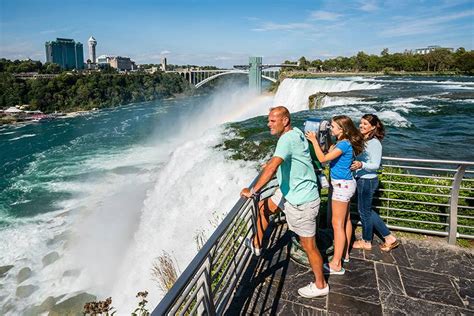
(109, 191)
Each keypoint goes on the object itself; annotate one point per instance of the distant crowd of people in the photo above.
(353, 160)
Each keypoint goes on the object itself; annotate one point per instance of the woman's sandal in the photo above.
(387, 248)
(360, 244)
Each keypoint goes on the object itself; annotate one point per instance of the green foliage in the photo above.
(438, 60)
(248, 143)
(397, 184)
(72, 92)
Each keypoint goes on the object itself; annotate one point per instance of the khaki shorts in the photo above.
(300, 218)
(343, 190)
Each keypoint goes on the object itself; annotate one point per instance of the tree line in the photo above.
(82, 91)
(438, 60)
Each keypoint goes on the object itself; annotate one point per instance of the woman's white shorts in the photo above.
(343, 190)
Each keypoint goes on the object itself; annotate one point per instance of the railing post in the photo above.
(206, 292)
(453, 204)
(255, 210)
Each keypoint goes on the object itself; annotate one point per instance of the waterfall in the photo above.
(294, 93)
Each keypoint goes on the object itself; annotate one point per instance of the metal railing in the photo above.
(428, 196)
(417, 195)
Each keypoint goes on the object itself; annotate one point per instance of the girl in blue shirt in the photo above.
(349, 144)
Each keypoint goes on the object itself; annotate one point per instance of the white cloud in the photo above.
(21, 50)
(165, 52)
(222, 58)
(325, 15)
(368, 5)
(270, 26)
(423, 25)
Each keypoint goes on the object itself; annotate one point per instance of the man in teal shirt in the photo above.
(297, 196)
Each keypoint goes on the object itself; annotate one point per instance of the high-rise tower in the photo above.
(92, 43)
(66, 53)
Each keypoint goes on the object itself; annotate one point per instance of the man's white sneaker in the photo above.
(311, 291)
(249, 244)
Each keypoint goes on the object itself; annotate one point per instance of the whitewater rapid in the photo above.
(294, 93)
(137, 202)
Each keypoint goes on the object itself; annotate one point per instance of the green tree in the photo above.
(361, 61)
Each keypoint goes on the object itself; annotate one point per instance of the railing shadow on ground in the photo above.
(270, 270)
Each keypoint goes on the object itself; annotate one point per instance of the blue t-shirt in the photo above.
(341, 166)
(296, 175)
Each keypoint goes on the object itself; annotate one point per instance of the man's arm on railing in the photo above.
(265, 176)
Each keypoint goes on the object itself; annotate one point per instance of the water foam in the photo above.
(184, 197)
(294, 93)
(128, 206)
(22, 136)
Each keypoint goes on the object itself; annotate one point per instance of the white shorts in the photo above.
(300, 218)
(343, 190)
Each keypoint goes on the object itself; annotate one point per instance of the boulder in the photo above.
(4, 270)
(7, 307)
(23, 274)
(50, 258)
(25, 290)
(46, 306)
(72, 306)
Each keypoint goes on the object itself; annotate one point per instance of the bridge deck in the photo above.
(419, 277)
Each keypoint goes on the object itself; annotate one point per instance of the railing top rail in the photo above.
(450, 162)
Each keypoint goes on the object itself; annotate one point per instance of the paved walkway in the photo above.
(417, 278)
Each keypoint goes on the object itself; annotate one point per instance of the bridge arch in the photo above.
(229, 73)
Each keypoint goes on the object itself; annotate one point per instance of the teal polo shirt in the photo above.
(296, 175)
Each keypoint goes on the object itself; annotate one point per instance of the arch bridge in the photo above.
(254, 70)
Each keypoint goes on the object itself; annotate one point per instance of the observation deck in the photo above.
(419, 277)
(425, 276)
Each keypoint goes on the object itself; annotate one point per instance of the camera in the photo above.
(322, 128)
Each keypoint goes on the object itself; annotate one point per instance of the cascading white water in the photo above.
(124, 221)
(294, 93)
(194, 184)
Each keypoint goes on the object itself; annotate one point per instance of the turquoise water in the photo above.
(111, 189)
(425, 117)
(36, 158)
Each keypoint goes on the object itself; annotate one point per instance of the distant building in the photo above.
(429, 49)
(164, 64)
(118, 62)
(151, 70)
(66, 53)
(92, 44)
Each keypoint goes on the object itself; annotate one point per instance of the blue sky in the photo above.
(227, 32)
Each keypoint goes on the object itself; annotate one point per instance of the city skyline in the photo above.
(227, 33)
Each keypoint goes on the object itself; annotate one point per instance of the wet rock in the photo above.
(72, 273)
(46, 306)
(50, 258)
(48, 303)
(58, 238)
(25, 290)
(4, 270)
(8, 306)
(24, 274)
(72, 306)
